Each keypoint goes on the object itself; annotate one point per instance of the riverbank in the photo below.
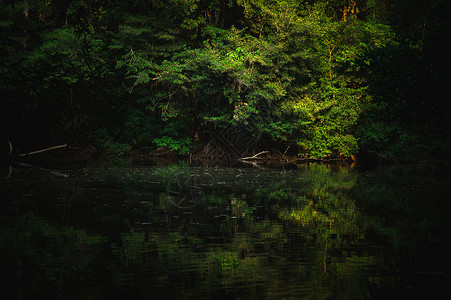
(72, 156)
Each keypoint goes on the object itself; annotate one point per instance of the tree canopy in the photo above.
(330, 78)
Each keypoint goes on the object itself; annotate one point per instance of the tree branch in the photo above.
(43, 150)
(253, 157)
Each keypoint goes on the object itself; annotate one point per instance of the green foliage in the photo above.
(106, 144)
(181, 146)
(330, 77)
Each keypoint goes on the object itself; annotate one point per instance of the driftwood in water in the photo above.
(12, 155)
(285, 160)
(43, 150)
(253, 157)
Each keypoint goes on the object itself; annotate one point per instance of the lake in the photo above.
(311, 231)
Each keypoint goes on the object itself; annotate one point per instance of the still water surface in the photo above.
(180, 232)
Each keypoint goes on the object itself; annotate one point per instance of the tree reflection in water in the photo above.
(180, 232)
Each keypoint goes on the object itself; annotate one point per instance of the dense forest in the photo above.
(329, 78)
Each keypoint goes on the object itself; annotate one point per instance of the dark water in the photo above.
(315, 232)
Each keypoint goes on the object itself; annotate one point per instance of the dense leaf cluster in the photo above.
(330, 78)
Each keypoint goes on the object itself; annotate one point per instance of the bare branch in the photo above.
(253, 157)
(43, 150)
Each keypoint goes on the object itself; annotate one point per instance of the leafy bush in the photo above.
(181, 146)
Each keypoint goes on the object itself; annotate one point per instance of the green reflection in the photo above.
(41, 255)
(183, 232)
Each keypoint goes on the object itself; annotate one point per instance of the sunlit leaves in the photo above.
(302, 72)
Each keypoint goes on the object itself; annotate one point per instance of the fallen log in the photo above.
(253, 157)
(42, 150)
